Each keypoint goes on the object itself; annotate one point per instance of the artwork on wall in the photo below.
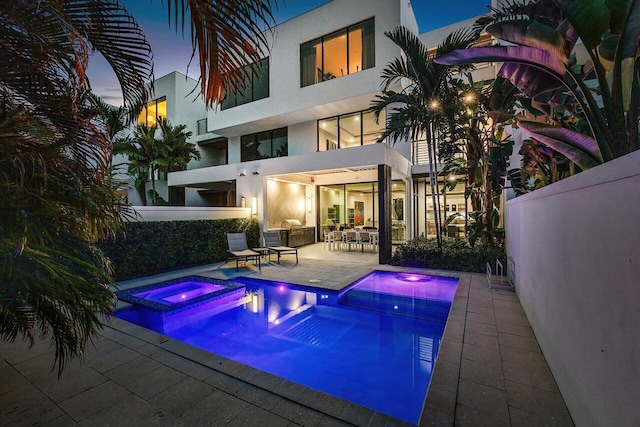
(358, 215)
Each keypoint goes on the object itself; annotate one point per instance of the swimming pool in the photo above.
(374, 343)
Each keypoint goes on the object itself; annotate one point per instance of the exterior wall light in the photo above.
(254, 205)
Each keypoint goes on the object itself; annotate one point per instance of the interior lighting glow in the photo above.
(254, 303)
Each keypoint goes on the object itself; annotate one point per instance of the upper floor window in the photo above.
(264, 145)
(350, 130)
(254, 88)
(153, 112)
(346, 51)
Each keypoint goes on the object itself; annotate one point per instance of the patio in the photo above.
(489, 371)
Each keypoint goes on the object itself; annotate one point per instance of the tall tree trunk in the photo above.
(433, 182)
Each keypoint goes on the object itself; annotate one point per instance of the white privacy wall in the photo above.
(576, 249)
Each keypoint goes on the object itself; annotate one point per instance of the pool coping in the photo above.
(440, 398)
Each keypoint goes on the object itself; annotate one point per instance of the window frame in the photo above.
(145, 110)
(255, 77)
(347, 30)
(252, 138)
(338, 144)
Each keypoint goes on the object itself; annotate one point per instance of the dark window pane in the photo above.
(311, 62)
(261, 81)
(280, 147)
(249, 148)
(263, 140)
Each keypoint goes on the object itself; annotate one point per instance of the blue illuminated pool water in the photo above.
(374, 344)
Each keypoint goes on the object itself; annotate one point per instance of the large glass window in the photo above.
(153, 112)
(255, 87)
(264, 145)
(343, 52)
(350, 130)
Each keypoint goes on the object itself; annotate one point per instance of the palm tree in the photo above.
(58, 195)
(144, 154)
(413, 112)
(178, 152)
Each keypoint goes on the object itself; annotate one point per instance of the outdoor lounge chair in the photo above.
(239, 249)
(272, 241)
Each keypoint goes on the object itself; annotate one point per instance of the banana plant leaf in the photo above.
(531, 33)
(579, 148)
(531, 81)
(590, 18)
(519, 54)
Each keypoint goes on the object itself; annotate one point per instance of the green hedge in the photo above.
(145, 248)
(455, 254)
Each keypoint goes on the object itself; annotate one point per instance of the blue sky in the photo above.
(172, 51)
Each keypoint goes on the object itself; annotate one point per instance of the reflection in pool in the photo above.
(374, 345)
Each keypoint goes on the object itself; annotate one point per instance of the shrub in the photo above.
(144, 248)
(455, 254)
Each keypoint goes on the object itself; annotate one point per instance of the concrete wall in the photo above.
(181, 213)
(576, 250)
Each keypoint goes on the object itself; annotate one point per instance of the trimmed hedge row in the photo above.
(455, 254)
(145, 248)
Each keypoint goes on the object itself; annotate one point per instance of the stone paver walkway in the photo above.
(489, 371)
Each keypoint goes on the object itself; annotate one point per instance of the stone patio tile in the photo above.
(155, 382)
(512, 306)
(517, 355)
(546, 407)
(481, 311)
(91, 401)
(218, 408)
(483, 355)
(27, 406)
(266, 380)
(482, 397)
(515, 319)
(297, 413)
(483, 373)
(184, 365)
(450, 351)
(258, 397)
(62, 421)
(258, 417)
(536, 374)
(520, 418)
(131, 411)
(11, 379)
(224, 382)
(504, 295)
(357, 415)
(131, 371)
(489, 319)
(440, 408)
(454, 331)
(445, 377)
(479, 303)
(480, 328)
(519, 342)
(380, 419)
(480, 417)
(331, 405)
(177, 399)
(513, 329)
(481, 340)
(21, 352)
(68, 386)
(108, 361)
(512, 310)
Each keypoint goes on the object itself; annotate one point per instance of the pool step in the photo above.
(422, 309)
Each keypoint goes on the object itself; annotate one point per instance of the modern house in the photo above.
(300, 145)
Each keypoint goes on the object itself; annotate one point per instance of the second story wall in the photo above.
(288, 102)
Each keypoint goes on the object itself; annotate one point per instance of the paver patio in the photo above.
(489, 371)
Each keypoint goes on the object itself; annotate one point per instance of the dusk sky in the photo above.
(172, 51)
